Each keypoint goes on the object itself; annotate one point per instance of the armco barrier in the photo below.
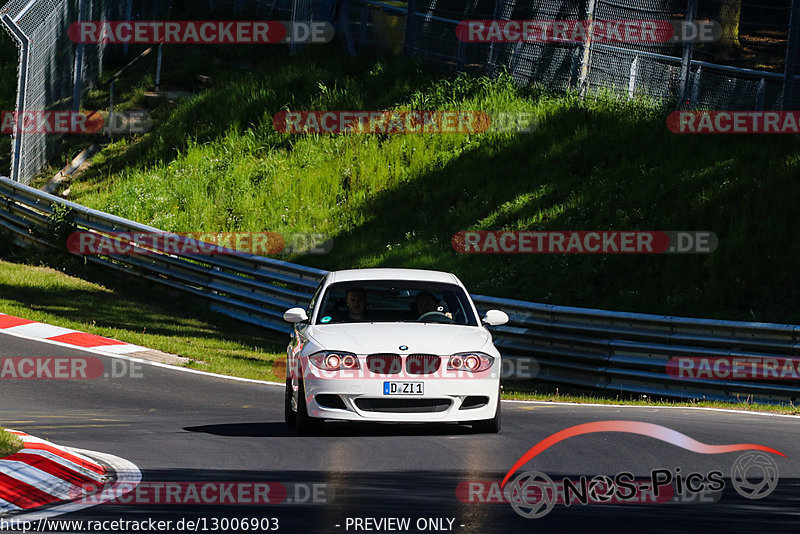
(595, 349)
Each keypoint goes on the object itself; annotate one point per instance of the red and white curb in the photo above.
(64, 336)
(44, 474)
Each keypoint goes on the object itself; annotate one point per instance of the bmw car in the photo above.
(392, 346)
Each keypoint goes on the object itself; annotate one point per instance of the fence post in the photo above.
(77, 65)
(462, 54)
(688, 52)
(22, 85)
(499, 13)
(696, 88)
(574, 68)
(411, 26)
(158, 66)
(634, 74)
(344, 27)
(362, 28)
(761, 94)
(587, 48)
(792, 52)
(128, 15)
(111, 110)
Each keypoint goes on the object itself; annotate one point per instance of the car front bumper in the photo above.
(363, 399)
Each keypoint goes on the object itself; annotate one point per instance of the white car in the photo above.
(392, 345)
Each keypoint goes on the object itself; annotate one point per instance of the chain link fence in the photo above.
(55, 73)
(752, 66)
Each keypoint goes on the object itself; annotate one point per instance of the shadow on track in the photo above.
(333, 429)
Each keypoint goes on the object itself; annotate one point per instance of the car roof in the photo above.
(355, 275)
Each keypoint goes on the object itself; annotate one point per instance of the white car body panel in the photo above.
(367, 338)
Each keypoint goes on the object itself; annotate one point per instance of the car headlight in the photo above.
(334, 360)
(474, 362)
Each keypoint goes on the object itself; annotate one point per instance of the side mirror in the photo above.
(295, 315)
(495, 318)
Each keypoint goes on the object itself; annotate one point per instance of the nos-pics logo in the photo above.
(533, 494)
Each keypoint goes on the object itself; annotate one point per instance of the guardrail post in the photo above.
(688, 52)
(792, 57)
(411, 26)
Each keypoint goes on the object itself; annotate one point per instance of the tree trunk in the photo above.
(729, 15)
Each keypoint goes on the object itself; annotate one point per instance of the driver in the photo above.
(426, 302)
(356, 304)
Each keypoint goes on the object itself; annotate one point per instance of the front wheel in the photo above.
(489, 426)
(289, 414)
(305, 424)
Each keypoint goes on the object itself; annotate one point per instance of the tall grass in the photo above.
(9, 443)
(215, 163)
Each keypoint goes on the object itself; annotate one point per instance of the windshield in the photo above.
(396, 301)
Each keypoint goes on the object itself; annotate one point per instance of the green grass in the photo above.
(550, 393)
(141, 314)
(216, 164)
(9, 443)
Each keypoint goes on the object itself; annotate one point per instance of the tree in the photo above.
(729, 14)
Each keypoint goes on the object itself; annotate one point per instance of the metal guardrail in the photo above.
(596, 349)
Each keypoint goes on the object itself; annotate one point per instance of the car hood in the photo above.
(369, 338)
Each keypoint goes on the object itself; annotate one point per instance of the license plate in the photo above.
(403, 388)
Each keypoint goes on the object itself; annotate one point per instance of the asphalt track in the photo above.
(178, 426)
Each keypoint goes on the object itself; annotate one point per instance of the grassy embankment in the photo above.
(216, 164)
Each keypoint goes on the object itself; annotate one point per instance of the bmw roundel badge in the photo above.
(403, 347)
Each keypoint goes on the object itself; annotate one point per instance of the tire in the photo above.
(305, 424)
(489, 426)
(289, 415)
